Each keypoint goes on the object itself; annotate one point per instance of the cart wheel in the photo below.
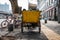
(21, 27)
(39, 27)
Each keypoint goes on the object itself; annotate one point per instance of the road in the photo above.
(26, 35)
(46, 33)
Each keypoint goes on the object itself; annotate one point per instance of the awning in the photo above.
(48, 9)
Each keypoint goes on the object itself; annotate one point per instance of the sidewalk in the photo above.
(50, 34)
(53, 25)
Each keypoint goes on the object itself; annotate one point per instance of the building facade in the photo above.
(49, 9)
(58, 11)
(4, 7)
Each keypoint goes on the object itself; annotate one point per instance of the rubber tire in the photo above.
(21, 27)
(39, 27)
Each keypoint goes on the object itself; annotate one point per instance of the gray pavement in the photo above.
(25, 36)
(3, 32)
(53, 25)
(32, 35)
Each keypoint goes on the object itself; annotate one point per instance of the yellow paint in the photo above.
(30, 16)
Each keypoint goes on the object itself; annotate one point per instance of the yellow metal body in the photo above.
(31, 16)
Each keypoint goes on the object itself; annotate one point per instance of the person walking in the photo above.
(10, 21)
(45, 20)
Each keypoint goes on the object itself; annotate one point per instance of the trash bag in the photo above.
(10, 27)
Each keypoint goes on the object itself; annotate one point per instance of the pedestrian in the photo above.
(10, 21)
(15, 21)
(45, 20)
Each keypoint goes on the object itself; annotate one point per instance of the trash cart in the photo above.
(31, 19)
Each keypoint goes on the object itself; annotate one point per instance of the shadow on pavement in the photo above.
(31, 36)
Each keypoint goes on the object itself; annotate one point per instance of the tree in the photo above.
(14, 4)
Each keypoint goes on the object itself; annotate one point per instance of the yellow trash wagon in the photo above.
(30, 19)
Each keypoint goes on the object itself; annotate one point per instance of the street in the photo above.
(47, 33)
(29, 19)
(26, 35)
